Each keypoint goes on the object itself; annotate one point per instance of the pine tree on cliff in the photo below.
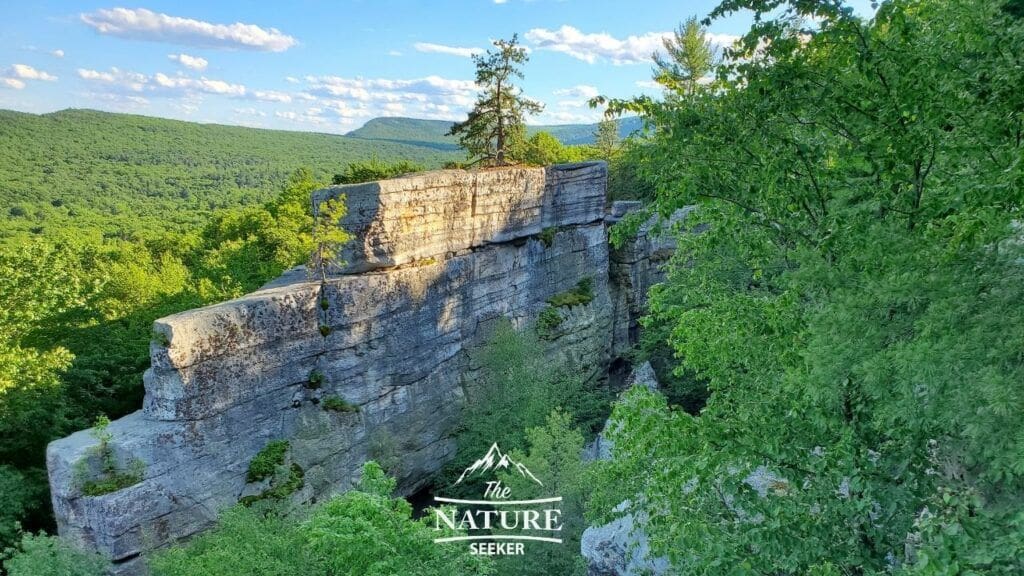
(500, 106)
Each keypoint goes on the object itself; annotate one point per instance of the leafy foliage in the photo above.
(40, 555)
(362, 532)
(375, 169)
(245, 541)
(552, 453)
(850, 305)
(518, 386)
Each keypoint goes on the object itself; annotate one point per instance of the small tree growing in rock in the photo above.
(500, 106)
(328, 236)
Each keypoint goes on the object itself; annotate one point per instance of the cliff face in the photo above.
(438, 258)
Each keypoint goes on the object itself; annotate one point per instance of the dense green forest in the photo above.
(116, 174)
(841, 329)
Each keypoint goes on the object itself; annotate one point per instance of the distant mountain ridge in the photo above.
(433, 133)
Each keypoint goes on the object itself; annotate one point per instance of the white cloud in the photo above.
(272, 96)
(442, 49)
(122, 100)
(194, 85)
(25, 72)
(291, 79)
(159, 84)
(57, 53)
(648, 84)
(427, 89)
(142, 24)
(15, 76)
(192, 62)
(250, 112)
(116, 78)
(580, 91)
(12, 83)
(602, 46)
(562, 116)
(500, 1)
(341, 103)
(394, 53)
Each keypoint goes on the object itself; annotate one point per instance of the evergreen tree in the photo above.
(500, 107)
(689, 57)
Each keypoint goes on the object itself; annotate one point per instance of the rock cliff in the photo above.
(437, 258)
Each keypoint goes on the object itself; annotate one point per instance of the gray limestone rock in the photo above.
(437, 257)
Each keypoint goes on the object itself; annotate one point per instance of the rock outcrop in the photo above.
(437, 259)
(620, 547)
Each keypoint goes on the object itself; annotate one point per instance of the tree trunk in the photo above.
(500, 152)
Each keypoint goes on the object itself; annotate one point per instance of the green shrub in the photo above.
(245, 541)
(325, 330)
(266, 461)
(364, 532)
(547, 236)
(583, 293)
(547, 321)
(315, 380)
(367, 532)
(286, 482)
(42, 555)
(338, 404)
(375, 169)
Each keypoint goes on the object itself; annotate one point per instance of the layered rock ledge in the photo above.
(437, 259)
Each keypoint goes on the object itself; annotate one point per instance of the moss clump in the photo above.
(338, 404)
(316, 380)
(295, 480)
(547, 236)
(266, 461)
(583, 293)
(325, 330)
(325, 303)
(548, 319)
(160, 338)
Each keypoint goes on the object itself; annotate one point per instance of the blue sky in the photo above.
(325, 66)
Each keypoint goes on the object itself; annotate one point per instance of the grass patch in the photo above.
(111, 483)
(111, 478)
(338, 404)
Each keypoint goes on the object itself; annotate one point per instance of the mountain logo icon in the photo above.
(496, 460)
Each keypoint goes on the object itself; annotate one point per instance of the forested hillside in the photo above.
(433, 133)
(119, 174)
